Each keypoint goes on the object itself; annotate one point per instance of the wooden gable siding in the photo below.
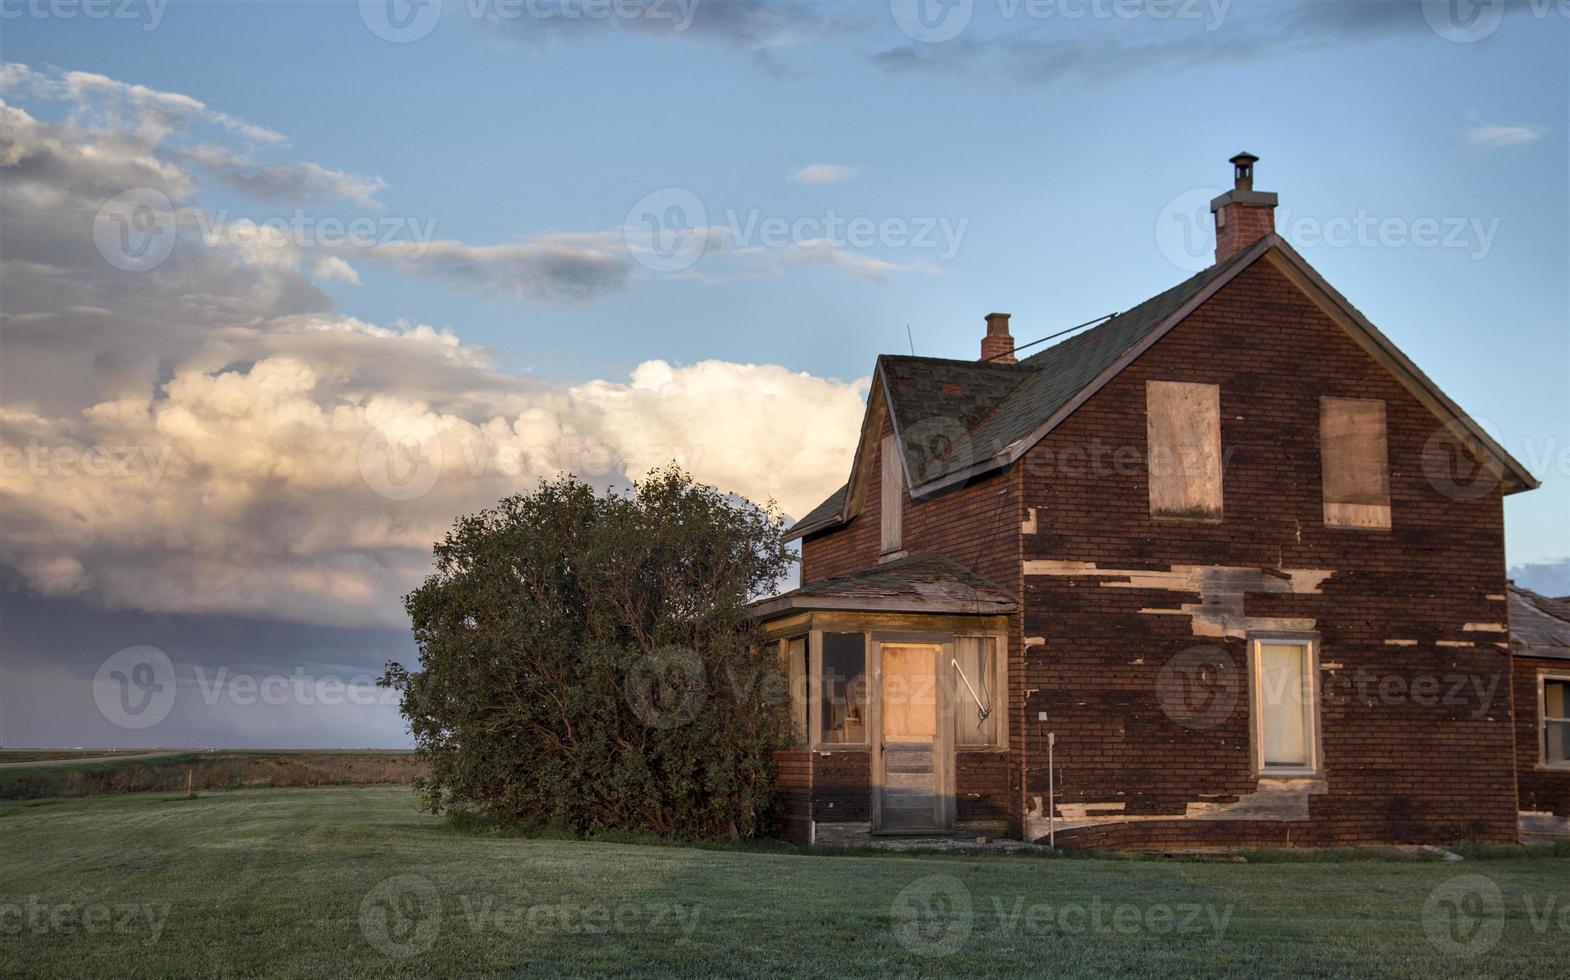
(1418, 600)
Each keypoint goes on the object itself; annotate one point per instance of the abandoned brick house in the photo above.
(1226, 568)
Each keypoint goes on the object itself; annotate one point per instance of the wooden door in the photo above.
(910, 746)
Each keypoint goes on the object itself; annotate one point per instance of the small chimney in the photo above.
(998, 345)
(1243, 215)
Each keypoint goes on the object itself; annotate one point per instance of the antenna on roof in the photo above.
(911, 339)
(1050, 336)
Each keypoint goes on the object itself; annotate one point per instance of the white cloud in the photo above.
(1498, 135)
(822, 173)
(210, 435)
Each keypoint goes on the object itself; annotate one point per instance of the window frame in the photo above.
(1326, 505)
(1543, 677)
(802, 738)
(999, 656)
(1256, 643)
(815, 693)
(891, 500)
(1219, 516)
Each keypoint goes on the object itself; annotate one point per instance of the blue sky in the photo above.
(1053, 148)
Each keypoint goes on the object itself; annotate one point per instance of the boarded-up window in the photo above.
(1183, 437)
(1285, 706)
(893, 496)
(1353, 460)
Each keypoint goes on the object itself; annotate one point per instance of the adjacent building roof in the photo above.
(1539, 626)
(921, 583)
(955, 420)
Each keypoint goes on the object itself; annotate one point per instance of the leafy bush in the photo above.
(588, 661)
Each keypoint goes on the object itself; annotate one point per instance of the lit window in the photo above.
(976, 698)
(1285, 706)
(844, 690)
(1556, 721)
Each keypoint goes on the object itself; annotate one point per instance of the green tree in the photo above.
(589, 661)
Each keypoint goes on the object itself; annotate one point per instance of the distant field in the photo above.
(127, 771)
(44, 755)
(356, 882)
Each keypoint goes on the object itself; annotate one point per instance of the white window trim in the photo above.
(1543, 676)
(1256, 642)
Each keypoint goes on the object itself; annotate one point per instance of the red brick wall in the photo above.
(1542, 790)
(976, 526)
(793, 784)
(1397, 769)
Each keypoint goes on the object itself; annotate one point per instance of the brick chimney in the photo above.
(998, 345)
(1243, 215)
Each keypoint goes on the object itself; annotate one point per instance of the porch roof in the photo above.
(921, 583)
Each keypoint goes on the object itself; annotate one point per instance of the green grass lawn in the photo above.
(355, 882)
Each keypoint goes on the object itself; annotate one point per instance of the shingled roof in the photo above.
(1539, 626)
(925, 582)
(956, 420)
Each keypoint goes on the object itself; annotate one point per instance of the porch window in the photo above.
(844, 690)
(976, 698)
(1285, 706)
(1556, 721)
(794, 652)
